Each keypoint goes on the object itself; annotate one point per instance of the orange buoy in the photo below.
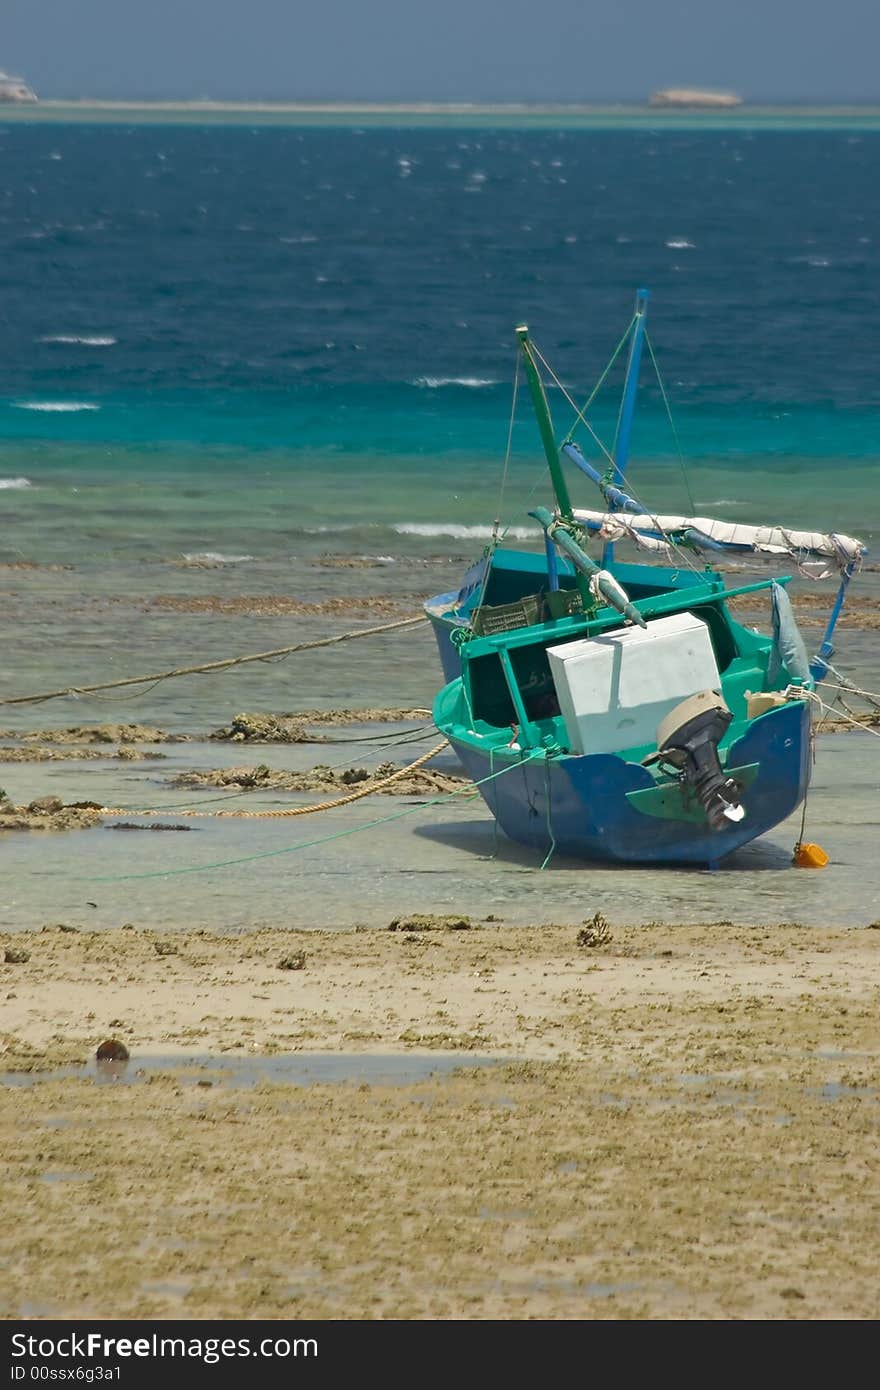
(810, 856)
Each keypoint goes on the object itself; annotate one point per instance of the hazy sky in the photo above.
(443, 50)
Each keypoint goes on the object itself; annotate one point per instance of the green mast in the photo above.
(545, 423)
(548, 439)
(565, 532)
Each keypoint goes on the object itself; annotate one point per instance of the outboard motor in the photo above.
(688, 739)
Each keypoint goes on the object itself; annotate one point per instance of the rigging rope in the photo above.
(847, 684)
(493, 543)
(670, 540)
(840, 714)
(581, 414)
(671, 421)
(546, 365)
(510, 425)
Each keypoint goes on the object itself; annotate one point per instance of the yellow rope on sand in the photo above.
(296, 810)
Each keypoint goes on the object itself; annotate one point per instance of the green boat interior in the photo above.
(506, 698)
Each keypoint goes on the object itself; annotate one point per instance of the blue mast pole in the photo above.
(819, 664)
(628, 404)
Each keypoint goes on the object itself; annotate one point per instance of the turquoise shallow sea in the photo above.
(249, 369)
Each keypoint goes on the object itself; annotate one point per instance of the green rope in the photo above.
(693, 505)
(309, 844)
(579, 417)
(509, 448)
(493, 809)
(497, 533)
(552, 850)
(597, 388)
(609, 474)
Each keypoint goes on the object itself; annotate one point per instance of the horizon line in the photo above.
(421, 104)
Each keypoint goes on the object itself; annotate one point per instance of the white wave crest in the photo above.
(215, 557)
(56, 407)
(431, 383)
(93, 340)
(6, 483)
(681, 243)
(459, 532)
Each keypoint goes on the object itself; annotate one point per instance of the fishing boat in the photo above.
(620, 711)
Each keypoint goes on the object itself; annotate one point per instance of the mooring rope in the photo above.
(78, 690)
(840, 715)
(469, 790)
(850, 686)
(284, 813)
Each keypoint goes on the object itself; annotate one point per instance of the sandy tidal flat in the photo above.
(682, 1124)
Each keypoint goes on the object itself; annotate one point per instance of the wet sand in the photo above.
(682, 1124)
(655, 1116)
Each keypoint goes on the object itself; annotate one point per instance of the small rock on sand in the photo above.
(295, 961)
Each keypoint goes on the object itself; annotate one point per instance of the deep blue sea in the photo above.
(235, 359)
(256, 389)
(218, 295)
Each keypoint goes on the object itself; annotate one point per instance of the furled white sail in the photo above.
(661, 533)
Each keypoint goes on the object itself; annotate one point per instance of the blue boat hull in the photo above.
(580, 805)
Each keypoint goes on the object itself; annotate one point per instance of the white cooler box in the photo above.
(613, 690)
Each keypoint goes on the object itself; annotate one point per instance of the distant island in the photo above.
(15, 90)
(691, 96)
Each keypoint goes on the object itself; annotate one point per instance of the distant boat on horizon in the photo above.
(15, 89)
(692, 96)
